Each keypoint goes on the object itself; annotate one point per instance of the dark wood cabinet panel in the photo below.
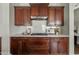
(63, 45)
(22, 16)
(27, 20)
(60, 15)
(38, 42)
(25, 46)
(15, 46)
(59, 45)
(19, 16)
(51, 16)
(19, 45)
(34, 10)
(54, 45)
(39, 10)
(39, 45)
(43, 10)
(56, 16)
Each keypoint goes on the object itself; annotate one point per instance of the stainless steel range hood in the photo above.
(39, 17)
(39, 26)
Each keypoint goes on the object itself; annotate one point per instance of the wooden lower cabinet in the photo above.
(15, 45)
(28, 45)
(39, 45)
(25, 46)
(59, 46)
(19, 45)
(39, 42)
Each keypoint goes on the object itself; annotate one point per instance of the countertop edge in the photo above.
(39, 36)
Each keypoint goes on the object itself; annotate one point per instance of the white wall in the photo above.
(4, 27)
(76, 22)
(65, 28)
(17, 29)
(76, 19)
(71, 28)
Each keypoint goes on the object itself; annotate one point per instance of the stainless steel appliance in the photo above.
(39, 26)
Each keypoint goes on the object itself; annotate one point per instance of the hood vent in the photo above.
(39, 17)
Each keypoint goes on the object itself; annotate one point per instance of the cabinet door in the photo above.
(43, 10)
(63, 45)
(39, 45)
(19, 16)
(37, 42)
(16, 46)
(51, 16)
(54, 45)
(27, 20)
(34, 10)
(59, 45)
(59, 16)
(25, 46)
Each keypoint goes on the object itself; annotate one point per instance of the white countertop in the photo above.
(39, 36)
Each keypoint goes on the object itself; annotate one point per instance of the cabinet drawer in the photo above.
(41, 43)
(39, 51)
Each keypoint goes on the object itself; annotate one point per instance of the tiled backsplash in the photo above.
(28, 30)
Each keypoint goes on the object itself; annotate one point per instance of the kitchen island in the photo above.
(39, 44)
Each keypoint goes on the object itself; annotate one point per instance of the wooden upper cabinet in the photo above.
(22, 16)
(56, 16)
(59, 16)
(43, 10)
(34, 10)
(27, 16)
(51, 16)
(39, 10)
(19, 16)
